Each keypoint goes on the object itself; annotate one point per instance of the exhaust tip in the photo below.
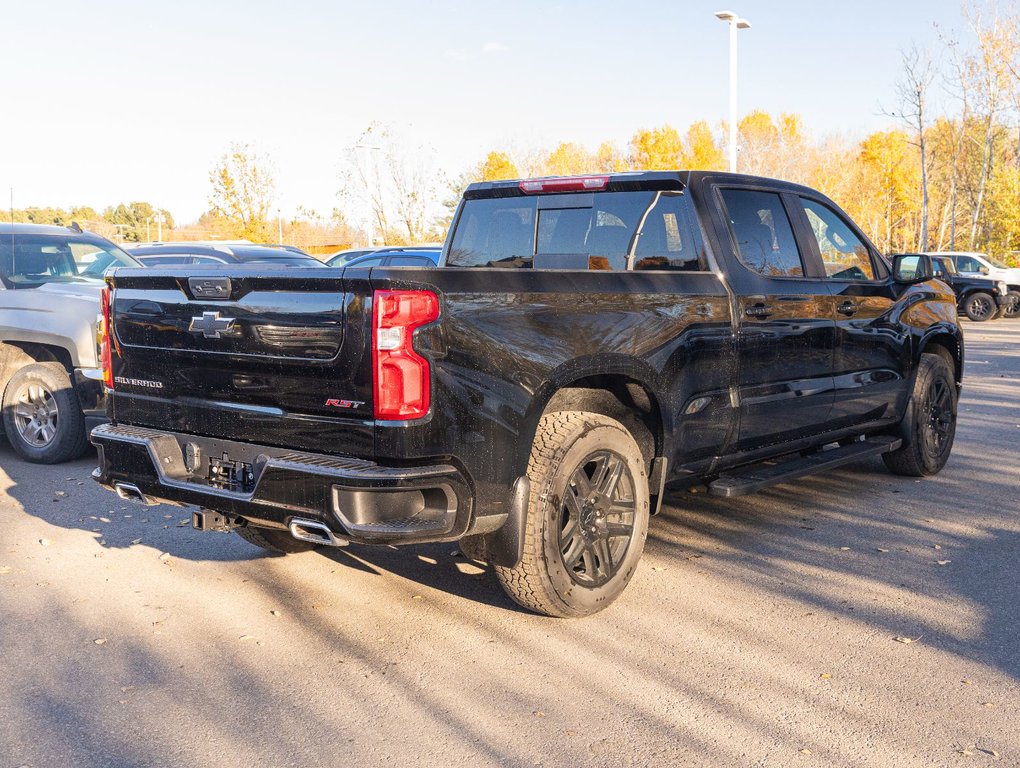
(315, 532)
(131, 492)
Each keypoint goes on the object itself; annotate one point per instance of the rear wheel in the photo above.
(929, 426)
(587, 516)
(42, 415)
(1013, 306)
(979, 307)
(273, 540)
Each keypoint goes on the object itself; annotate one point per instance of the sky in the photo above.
(109, 101)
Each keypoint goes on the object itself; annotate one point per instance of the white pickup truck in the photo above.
(50, 282)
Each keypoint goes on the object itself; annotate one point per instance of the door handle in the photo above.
(758, 310)
(847, 308)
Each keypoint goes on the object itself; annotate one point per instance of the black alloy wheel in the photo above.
(597, 518)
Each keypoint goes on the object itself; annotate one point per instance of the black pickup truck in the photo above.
(584, 342)
(980, 298)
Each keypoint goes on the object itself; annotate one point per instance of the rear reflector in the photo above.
(402, 378)
(564, 184)
(103, 337)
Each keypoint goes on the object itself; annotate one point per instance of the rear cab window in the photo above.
(611, 231)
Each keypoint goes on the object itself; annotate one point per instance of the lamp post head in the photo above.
(732, 18)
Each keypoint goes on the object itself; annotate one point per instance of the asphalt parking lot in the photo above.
(758, 632)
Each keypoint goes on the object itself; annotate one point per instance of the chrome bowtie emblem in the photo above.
(212, 326)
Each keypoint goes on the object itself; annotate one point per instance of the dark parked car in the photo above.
(356, 254)
(405, 257)
(586, 341)
(190, 254)
(979, 298)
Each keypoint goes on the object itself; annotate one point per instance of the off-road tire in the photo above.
(921, 454)
(69, 440)
(979, 307)
(273, 540)
(568, 442)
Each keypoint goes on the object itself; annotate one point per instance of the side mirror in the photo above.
(910, 268)
(984, 270)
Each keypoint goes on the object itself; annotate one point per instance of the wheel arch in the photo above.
(15, 355)
(623, 390)
(949, 344)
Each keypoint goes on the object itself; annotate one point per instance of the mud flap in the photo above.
(506, 546)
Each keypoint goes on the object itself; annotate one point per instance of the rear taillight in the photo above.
(564, 184)
(402, 382)
(103, 331)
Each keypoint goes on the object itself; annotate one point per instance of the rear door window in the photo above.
(762, 232)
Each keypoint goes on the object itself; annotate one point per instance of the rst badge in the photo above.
(344, 403)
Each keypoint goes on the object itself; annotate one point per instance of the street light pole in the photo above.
(735, 23)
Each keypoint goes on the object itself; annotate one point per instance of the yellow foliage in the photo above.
(656, 149)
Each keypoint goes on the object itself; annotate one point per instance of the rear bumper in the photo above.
(357, 499)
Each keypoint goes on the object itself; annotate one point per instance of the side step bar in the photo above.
(755, 477)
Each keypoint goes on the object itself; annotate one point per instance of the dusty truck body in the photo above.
(584, 342)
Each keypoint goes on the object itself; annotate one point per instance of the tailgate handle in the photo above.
(209, 287)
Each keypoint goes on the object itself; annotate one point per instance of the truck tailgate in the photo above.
(242, 351)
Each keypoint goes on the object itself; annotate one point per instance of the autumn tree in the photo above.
(656, 149)
(242, 194)
(912, 91)
(701, 152)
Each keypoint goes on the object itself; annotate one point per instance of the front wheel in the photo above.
(929, 426)
(42, 415)
(979, 307)
(587, 516)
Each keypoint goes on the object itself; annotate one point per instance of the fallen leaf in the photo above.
(805, 751)
(906, 640)
(539, 714)
(416, 597)
(943, 562)
(104, 520)
(274, 613)
(966, 682)
(45, 542)
(136, 541)
(964, 752)
(825, 676)
(936, 546)
(100, 641)
(658, 568)
(991, 752)
(988, 704)
(60, 493)
(246, 637)
(168, 517)
(164, 556)
(6, 569)
(570, 733)
(881, 550)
